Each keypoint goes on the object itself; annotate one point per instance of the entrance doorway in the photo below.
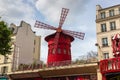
(113, 76)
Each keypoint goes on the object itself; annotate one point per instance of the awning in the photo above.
(83, 69)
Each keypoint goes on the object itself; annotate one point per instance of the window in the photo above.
(53, 51)
(119, 10)
(103, 28)
(112, 25)
(106, 55)
(111, 12)
(103, 15)
(104, 42)
(59, 50)
(4, 69)
(5, 59)
(34, 50)
(64, 51)
(34, 42)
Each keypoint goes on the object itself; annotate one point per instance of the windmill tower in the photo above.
(59, 43)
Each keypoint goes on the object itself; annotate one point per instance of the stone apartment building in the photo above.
(26, 48)
(107, 25)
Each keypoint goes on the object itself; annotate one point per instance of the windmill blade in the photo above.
(78, 35)
(42, 25)
(63, 16)
(56, 40)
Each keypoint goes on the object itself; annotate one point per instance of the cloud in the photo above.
(15, 11)
(51, 9)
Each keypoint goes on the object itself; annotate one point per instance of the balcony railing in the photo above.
(110, 65)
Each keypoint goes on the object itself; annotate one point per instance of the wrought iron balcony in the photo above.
(110, 65)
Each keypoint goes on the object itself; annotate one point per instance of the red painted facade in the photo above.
(63, 51)
(110, 67)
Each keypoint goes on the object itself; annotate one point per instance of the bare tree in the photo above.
(91, 56)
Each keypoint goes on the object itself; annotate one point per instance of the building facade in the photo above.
(26, 48)
(107, 25)
(76, 71)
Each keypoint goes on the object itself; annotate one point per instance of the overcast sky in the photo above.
(81, 18)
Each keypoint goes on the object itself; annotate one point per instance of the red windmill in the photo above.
(59, 43)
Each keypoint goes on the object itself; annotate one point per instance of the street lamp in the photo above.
(99, 50)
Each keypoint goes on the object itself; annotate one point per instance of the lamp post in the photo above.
(100, 76)
(100, 55)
